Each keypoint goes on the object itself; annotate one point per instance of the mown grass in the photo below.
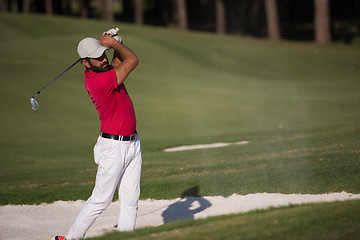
(337, 220)
(297, 104)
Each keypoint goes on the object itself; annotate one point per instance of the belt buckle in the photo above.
(132, 137)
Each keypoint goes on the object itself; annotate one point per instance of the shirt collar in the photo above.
(89, 74)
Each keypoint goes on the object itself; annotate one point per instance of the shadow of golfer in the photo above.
(189, 205)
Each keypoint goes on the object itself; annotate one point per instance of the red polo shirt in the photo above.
(113, 103)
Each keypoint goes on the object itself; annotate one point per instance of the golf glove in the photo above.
(113, 33)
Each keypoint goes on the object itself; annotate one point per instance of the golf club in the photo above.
(33, 102)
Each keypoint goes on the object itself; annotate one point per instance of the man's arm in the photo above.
(124, 60)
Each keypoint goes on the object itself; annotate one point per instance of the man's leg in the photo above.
(109, 172)
(129, 190)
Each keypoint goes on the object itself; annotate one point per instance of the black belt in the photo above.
(118, 137)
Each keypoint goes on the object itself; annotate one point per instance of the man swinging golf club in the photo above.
(117, 151)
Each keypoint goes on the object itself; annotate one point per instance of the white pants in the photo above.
(119, 166)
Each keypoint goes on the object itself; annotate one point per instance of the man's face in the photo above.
(100, 64)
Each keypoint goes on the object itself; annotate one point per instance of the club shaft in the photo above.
(56, 78)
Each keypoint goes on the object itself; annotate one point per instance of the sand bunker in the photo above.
(45, 220)
(204, 146)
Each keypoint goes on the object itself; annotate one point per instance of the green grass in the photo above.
(327, 221)
(297, 104)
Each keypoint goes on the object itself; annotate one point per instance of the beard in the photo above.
(104, 67)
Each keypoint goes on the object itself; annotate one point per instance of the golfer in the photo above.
(117, 151)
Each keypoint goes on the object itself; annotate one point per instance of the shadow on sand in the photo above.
(190, 204)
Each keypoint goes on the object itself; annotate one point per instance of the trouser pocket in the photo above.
(101, 149)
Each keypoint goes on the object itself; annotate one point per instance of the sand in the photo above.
(23, 222)
(204, 146)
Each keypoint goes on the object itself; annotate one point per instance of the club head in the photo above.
(34, 104)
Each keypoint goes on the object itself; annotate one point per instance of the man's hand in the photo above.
(124, 60)
(107, 41)
(113, 33)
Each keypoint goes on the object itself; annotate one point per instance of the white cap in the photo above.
(91, 48)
